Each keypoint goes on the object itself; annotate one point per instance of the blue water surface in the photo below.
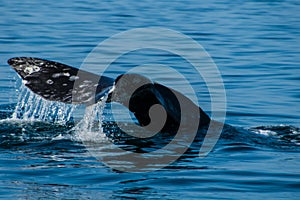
(254, 43)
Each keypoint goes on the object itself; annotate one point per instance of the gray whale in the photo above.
(55, 81)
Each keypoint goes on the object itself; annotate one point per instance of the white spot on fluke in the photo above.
(49, 81)
(28, 70)
(36, 68)
(57, 75)
(87, 81)
(73, 78)
(83, 85)
(31, 69)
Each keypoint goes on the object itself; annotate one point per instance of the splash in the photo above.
(31, 107)
(87, 123)
(90, 127)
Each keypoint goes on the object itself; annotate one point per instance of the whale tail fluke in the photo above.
(59, 82)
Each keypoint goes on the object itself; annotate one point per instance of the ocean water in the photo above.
(254, 44)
